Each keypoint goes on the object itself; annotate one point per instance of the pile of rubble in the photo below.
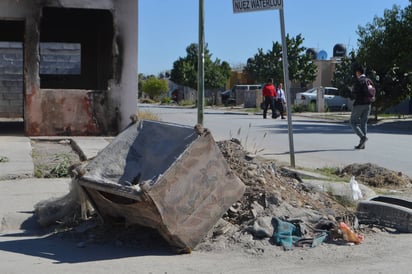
(272, 190)
(275, 193)
(272, 193)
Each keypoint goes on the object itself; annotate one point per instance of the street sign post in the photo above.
(240, 6)
(201, 65)
(255, 5)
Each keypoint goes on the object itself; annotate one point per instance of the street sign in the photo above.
(255, 5)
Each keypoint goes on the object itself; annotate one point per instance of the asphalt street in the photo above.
(317, 140)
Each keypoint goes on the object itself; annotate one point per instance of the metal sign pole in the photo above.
(201, 65)
(252, 5)
(287, 86)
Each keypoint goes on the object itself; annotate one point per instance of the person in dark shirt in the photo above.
(361, 108)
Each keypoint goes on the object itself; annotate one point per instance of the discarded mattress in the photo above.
(169, 177)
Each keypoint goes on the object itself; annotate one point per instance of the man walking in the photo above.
(361, 108)
(269, 94)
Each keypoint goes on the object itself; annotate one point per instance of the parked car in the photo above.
(333, 99)
(228, 97)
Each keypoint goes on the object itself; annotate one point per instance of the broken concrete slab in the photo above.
(337, 188)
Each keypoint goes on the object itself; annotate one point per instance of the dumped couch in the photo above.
(169, 177)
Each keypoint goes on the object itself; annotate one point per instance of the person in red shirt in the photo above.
(269, 94)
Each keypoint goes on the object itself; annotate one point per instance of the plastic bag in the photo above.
(349, 235)
(355, 190)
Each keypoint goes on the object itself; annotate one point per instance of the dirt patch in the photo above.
(52, 159)
(376, 176)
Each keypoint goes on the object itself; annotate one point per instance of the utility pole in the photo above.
(287, 86)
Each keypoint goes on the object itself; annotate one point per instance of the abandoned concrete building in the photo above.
(68, 67)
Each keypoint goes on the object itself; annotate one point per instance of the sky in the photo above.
(167, 27)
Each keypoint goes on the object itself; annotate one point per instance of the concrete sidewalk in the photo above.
(16, 152)
(27, 192)
(17, 180)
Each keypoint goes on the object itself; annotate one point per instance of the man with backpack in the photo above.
(364, 94)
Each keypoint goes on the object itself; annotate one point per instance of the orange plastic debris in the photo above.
(349, 235)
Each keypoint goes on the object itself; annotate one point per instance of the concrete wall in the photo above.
(67, 112)
(125, 89)
(252, 98)
(78, 111)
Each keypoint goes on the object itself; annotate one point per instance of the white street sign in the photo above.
(255, 5)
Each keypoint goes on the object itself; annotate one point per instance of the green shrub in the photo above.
(311, 107)
(186, 103)
(61, 170)
(297, 108)
(166, 100)
(3, 159)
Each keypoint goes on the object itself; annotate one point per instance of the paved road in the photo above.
(23, 250)
(316, 142)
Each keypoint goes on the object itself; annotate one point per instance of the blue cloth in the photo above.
(285, 233)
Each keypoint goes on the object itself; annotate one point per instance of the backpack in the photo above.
(370, 91)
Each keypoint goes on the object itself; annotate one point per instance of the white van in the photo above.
(246, 87)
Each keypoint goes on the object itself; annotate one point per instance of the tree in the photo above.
(184, 70)
(269, 65)
(155, 87)
(344, 77)
(385, 51)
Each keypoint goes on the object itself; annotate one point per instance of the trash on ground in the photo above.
(355, 190)
(349, 235)
(288, 233)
